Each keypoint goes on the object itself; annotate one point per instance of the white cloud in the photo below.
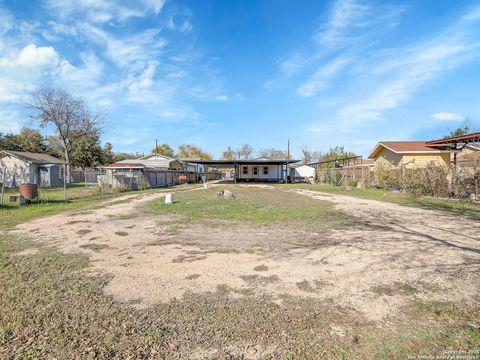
(6, 21)
(21, 70)
(344, 16)
(349, 28)
(135, 76)
(33, 56)
(320, 78)
(221, 98)
(127, 50)
(104, 11)
(388, 81)
(447, 116)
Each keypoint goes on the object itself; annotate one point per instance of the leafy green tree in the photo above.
(163, 149)
(55, 147)
(107, 155)
(29, 140)
(336, 153)
(464, 129)
(86, 152)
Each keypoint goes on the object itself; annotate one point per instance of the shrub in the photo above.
(143, 184)
(338, 178)
(433, 180)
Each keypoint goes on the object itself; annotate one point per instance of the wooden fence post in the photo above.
(3, 185)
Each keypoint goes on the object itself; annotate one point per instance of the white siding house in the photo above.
(261, 172)
(30, 168)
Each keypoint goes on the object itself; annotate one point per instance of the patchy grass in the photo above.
(95, 247)
(51, 202)
(397, 288)
(261, 268)
(78, 199)
(456, 207)
(50, 308)
(432, 287)
(254, 205)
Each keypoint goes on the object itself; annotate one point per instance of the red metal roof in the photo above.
(469, 138)
(406, 147)
(126, 165)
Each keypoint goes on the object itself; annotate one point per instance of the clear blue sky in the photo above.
(220, 73)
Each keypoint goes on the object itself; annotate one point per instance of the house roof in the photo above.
(35, 158)
(232, 163)
(152, 161)
(405, 147)
(155, 156)
(126, 165)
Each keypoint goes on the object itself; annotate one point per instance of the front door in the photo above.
(255, 171)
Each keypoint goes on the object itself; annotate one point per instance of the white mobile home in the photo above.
(30, 168)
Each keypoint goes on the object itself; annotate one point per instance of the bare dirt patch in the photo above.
(355, 267)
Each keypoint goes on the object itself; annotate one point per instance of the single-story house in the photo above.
(258, 170)
(30, 168)
(408, 154)
(302, 172)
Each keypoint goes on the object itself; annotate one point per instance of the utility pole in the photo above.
(156, 145)
(286, 165)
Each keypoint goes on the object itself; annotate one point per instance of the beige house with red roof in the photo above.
(409, 154)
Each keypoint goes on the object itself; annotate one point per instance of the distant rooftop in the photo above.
(36, 158)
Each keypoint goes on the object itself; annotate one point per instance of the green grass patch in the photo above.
(51, 202)
(452, 206)
(12, 213)
(255, 205)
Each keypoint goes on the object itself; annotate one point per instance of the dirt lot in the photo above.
(371, 264)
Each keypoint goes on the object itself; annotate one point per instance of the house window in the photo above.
(255, 170)
(265, 170)
(245, 170)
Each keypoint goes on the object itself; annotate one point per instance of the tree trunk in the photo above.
(67, 166)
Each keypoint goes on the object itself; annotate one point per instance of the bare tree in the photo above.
(307, 155)
(245, 152)
(273, 154)
(311, 156)
(69, 116)
(317, 156)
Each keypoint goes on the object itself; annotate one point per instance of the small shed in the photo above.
(30, 168)
(302, 173)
